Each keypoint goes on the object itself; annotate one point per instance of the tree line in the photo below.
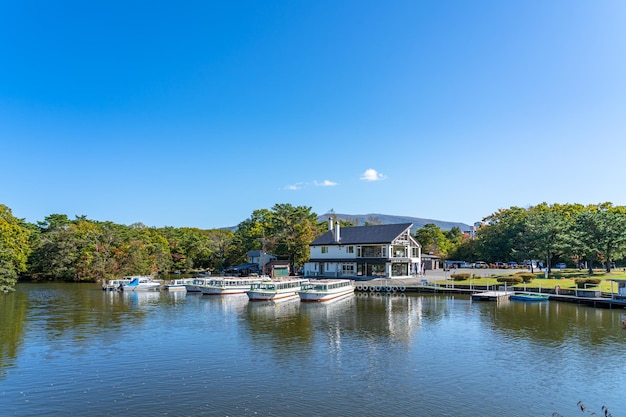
(81, 249)
(84, 250)
(591, 235)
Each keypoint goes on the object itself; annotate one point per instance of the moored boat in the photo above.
(115, 284)
(195, 284)
(224, 286)
(529, 296)
(325, 289)
(178, 284)
(141, 283)
(276, 289)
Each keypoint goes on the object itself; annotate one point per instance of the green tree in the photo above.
(499, 237)
(221, 245)
(546, 233)
(284, 231)
(293, 228)
(14, 248)
(601, 233)
(433, 240)
(254, 233)
(56, 253)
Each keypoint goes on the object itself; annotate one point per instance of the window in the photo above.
(347, 269)
(350, 249)
(324, 249)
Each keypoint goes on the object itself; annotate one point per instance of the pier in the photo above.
(429, 284)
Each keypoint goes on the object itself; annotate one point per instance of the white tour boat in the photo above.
(276, 289)
(326, 289)
(141, 283)
(223, 286)
(178, 284)
(195, 284)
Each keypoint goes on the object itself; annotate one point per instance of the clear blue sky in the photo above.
(197, 113)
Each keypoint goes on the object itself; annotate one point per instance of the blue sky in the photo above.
(197, 113)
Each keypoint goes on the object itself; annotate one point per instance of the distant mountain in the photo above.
(390, 219)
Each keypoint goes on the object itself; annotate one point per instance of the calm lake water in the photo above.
(72, 349)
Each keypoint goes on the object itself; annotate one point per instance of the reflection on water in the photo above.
(76, 350)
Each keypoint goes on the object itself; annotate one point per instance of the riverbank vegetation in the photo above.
(576, 235)
(84, 250)
(81, 249)
(566, 279)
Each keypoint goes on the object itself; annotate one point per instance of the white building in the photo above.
(382, 251)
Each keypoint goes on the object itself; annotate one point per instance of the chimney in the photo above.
(330, 223)
(337, 232)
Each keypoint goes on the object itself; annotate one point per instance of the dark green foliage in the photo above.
(460, 277)
(580, 282)
(511, 279)
(525, 276)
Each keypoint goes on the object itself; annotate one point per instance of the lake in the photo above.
(75, 350)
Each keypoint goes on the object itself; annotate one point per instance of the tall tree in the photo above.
(433, 240)
(221, 244)
(254, 233)
(501, 234)
(293, 228)
(546, 233)
(14, 248)
(601, 233)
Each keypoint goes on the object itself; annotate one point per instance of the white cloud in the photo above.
(294, 187)
(325, 183)
(372, 175)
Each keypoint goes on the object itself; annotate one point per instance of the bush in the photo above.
(460, 277)
(525, 276)
(511, 279)
(580, 282)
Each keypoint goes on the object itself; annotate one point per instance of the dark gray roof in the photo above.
(383, 233)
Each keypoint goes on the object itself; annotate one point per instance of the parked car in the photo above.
(512, 264)
(560, 265)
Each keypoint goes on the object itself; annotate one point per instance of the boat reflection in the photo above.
(334, 308)
(273, 310)
(141, 298)
(234, 303)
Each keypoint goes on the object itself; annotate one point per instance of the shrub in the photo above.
(580, 282)
(460, 277)
(511, 279)
(525, 276)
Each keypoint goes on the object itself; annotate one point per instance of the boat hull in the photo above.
(529, 297)
(223, 291)
(270, 295)
(319, 296)
(141, 287)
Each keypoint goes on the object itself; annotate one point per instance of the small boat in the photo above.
(224, 286)
(529, 296)
(141, 283)
(276, 289)
(325, 289)
(178, 284)
(115, 284)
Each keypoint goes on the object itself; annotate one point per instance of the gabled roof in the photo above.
(357, 235)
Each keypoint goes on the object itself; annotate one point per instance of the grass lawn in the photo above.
(564, 278)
